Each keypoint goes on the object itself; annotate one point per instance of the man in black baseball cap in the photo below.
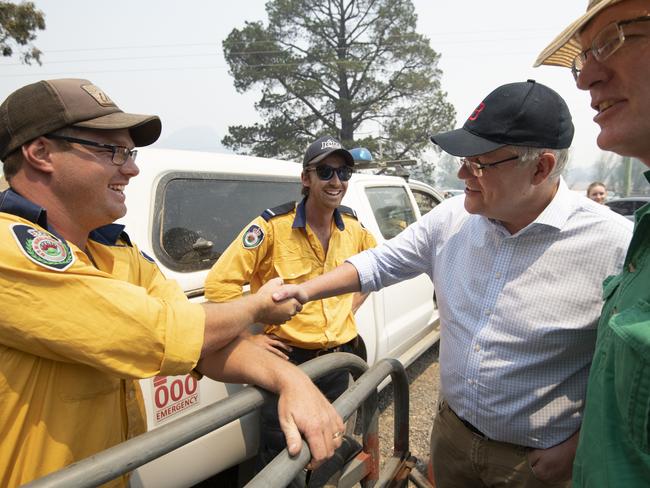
(515, 263)
(518, 125)
(527, 228)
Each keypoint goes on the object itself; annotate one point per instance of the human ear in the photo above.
(304, 177)
(544, 167)
(37, 155)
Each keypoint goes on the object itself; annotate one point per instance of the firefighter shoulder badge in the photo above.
(253, 237)
(43, 248)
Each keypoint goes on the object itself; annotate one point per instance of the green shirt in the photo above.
(614, 447)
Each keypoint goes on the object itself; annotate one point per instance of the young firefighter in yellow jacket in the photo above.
(297, 242)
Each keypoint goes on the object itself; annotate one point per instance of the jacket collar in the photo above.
(13, 203)
(300, 221)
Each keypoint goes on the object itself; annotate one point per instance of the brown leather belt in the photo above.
(474, 430)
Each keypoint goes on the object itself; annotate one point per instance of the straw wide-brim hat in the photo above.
(564, 48)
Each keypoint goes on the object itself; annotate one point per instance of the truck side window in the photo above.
(198, 217)
(392, 208)
(425, 200)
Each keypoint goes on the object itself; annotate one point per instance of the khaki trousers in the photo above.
(463, 459)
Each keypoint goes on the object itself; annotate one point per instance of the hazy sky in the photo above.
(165, 57)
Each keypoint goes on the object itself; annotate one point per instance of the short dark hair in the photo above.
(14, 160)
(12, 164)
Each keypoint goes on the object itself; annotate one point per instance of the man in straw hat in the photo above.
(85, 314)
(516, 264)
(608, 51)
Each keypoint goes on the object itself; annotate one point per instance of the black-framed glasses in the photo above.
(326, 173)
(477, 168)
(119, 154)
(606, 43)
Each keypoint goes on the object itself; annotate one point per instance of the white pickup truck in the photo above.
(184, 210)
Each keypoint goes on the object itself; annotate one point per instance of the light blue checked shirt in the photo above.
(518, 312)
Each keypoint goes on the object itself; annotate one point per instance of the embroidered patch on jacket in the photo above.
(43, 248)
(253, 237)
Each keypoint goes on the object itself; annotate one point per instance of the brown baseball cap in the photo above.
(48, 105)
(565, 47)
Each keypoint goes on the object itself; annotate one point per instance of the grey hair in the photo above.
(528, 155)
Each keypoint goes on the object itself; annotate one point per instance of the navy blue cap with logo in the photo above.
(323, 147)
(525, 114)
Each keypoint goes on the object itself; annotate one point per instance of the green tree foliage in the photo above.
(18, 24)
(339, 67)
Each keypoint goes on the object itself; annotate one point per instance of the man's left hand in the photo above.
(555, 464)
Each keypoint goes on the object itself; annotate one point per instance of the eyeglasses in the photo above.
(120, 154)
(606, 43)
(477, 168)
(326, 173)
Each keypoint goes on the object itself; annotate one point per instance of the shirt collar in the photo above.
(13, 203)
(555, 215)
(300, 221)
(109, 234)
(559, 210)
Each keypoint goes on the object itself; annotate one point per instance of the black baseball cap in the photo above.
(323, 147)
(517, 114)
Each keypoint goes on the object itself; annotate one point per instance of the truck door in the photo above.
(408, 306)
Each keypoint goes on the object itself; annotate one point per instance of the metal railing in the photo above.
(129, 455)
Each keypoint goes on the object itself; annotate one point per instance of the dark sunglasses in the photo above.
(326, 173)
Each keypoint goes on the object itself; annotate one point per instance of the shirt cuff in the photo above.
(184, 338)
(365, 265)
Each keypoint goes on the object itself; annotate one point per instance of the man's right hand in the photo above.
(290, 291)
(275, 311)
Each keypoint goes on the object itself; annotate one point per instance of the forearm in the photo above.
(225, 321)
(233, 364)
(301, 407)
(342, 279)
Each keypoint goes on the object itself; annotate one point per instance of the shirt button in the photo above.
(631, 267)
(498, 276)
(477, 348)
(488, 312)
(131, 395)
(471, 382)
